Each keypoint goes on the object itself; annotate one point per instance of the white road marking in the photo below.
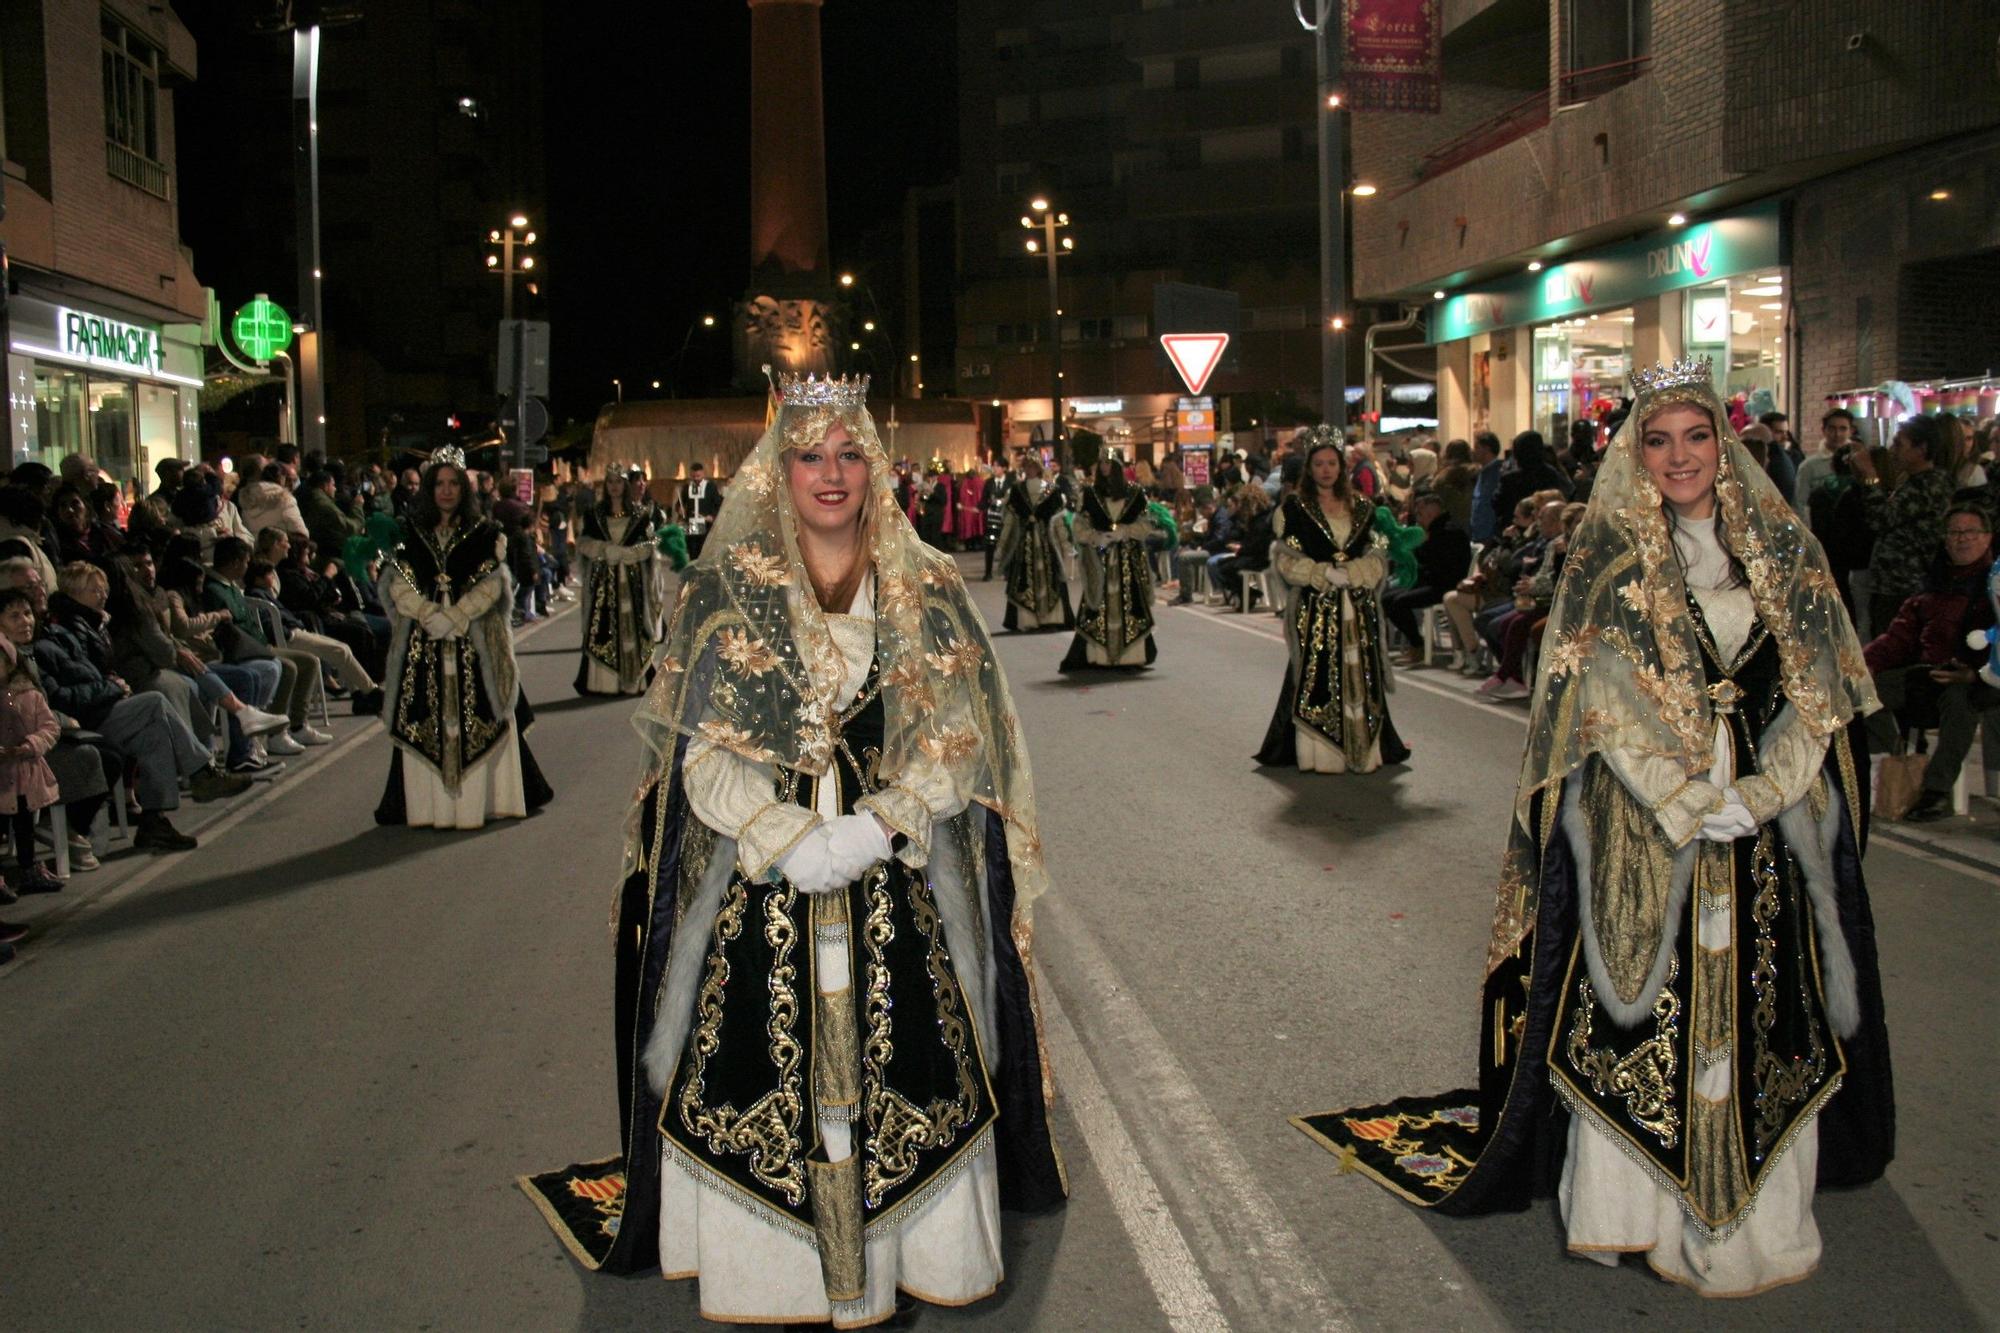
(1184, 1295)
(1257, 1255)
(1898, 839)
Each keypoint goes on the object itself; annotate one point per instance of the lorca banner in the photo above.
(1393, 54)
(1617, 275)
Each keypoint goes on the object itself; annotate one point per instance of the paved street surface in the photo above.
(288, 1080)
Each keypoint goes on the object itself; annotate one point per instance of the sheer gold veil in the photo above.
(749, 663)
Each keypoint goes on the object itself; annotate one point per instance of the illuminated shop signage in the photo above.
(99, 341)
(1618, 275)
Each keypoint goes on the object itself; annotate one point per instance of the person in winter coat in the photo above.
(1528, 469)
(28, 731)
(264, 502)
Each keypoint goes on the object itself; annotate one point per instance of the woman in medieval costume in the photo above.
(1329, 548)
(623, 598)
(1030, 554)
(1114, 625)
(453, 697)
(1683, 952)
(830, 1074)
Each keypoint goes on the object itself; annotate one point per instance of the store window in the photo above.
(1741, 324)
(131, 67)
(59, 415)
(159, 408)
(111, 427)
(1580, 370)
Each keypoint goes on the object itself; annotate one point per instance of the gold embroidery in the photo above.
(1781, 1084)
(1644, 1078)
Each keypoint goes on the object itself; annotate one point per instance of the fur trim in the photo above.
(1624, 1015)
(1812, 847)
(685, 963)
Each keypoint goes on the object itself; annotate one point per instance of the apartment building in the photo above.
(103, 313)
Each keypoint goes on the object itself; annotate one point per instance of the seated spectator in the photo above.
(1206, 538)
(1907, 519)
(1251, 551)
(28, 731)
(78, 534)
(261, 584)
(1442, 560)
(311, 590)
(1454, 483)
(203, 511)
(1512, 628)
(266, 503)
(243, 637)
(141, 727)
(1923, 668)
(327, 523)
(21, 517)
(176, 584)
(1486, 592)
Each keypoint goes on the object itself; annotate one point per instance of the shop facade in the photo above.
(85, 377)
(1546, 348)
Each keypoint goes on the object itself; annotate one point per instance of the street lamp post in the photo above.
(1332, 207)
(516, 236)
(674, 369)
(305, 143)
(1049, 221)
(877, 324)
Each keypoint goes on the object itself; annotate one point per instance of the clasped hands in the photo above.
(1334, 576)
(438, 622)
(1731, 822)
(835, 852)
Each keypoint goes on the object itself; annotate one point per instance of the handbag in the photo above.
(1899, 780)
(239, 645)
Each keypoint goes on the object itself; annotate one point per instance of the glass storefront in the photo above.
(59, 416)
(1580, 369)
(1741, 323)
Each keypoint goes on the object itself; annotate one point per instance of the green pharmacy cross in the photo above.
(262, 329)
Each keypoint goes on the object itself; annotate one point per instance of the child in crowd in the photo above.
(28, 731)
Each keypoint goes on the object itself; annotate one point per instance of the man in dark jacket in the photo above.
(74, 661)
(1528, 469)
(1443, 559)
(328, 523)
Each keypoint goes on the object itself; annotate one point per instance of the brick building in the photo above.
(1179, 138)
(1805, 191)
(103, 322)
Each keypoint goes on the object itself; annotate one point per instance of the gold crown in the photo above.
(450, 454)
(1321, 436)
(1692, 370)
(796, 390)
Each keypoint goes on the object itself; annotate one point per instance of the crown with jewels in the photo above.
(1693, 370)
(1320, 436)
(796, 390)
(450, 454)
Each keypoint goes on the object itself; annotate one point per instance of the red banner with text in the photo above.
(1394, 54)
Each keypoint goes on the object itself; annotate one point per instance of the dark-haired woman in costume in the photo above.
(1333, 710)
(830, 1079)
(1114, 625)
(622, 596)
(1683, 955)
(453, 701)
(1030, 558)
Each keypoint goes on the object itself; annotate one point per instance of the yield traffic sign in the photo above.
(1195, 355)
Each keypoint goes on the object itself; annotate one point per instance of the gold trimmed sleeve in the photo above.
(734, 797)
(1788, 759)
(1663, 787)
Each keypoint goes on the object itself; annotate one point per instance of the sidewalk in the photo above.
(124, 866)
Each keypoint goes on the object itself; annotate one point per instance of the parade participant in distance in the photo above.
(1333, 710)
(1030, 558)
(1683, 950)
(830, 1079)
(699, 501)
(623, 592)
(1114, 626)
(454, 704)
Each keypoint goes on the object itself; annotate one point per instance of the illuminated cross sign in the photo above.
(262, 329)
(1195, 355)
(98, 341)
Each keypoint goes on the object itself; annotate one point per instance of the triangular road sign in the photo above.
(1195, 355)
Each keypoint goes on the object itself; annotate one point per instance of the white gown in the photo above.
(947, 1251)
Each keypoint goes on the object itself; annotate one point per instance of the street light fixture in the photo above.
(847, 279)
(1363, 190)
(1049, 245)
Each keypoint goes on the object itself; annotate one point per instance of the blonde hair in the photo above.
(77, 575)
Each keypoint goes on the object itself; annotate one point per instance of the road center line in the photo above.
(1254, 1251)
(1183, 1293)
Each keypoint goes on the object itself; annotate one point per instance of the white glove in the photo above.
(438, 625)
(1335, 576)
(1731, 822)
(855, 844)
(809, 865)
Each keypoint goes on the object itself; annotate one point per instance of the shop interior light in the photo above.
(1534, 266)
(1437, 295)
(1772, 305)
(1772, 290)
(1677, 220)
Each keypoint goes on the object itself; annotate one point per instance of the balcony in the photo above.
(1524, 117)
(1585, 85)
(136, 169)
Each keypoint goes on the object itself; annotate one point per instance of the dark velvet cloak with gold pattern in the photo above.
(618, 633)
(1034, 569)
(1548, 1042)
(1121, 614)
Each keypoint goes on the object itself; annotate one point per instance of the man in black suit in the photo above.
(1442, 560)
(699, 501)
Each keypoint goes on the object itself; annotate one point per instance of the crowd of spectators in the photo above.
(177, 644)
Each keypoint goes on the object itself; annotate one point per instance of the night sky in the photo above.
(646, 224)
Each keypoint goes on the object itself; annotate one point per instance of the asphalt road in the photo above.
(288, 1080)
